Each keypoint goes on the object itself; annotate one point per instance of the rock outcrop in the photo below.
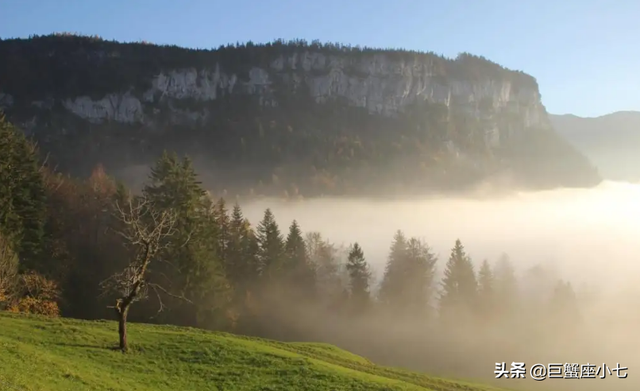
(380, 82)
(65, 84)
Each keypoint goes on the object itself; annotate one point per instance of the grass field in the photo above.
(65, 354)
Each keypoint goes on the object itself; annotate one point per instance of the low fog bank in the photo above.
(586, 236)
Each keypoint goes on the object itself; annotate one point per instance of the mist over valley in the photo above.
(586, 235)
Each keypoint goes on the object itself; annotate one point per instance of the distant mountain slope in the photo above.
(286, 117)
(611, 141)
(40, 354)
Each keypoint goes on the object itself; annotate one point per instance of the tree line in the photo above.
(91, 249)
(79, 65)
(280, 142)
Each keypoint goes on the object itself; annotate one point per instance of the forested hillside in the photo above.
(286, 118)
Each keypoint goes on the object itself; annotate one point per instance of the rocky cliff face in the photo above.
(374, 81)
(61, 85)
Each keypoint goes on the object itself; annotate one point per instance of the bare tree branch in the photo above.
(161, 306)
(181, 296)
(146, 231)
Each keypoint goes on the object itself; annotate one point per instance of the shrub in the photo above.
(37, 295)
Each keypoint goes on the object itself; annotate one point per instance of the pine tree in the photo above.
(418, 278)
(173, 184)
(192, 252)
(393, 280)
(295, 248)
(486, 293)
(359, 276)
(241, 266)
(221, 216)
(459, 286)
(271, 247)
(22, 195)
(242, 269)
(300, 274)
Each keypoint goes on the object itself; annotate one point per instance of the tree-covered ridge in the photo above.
(312, 150)
(68, 65)
(296, 148)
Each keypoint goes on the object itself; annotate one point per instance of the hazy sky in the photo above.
(584, 53)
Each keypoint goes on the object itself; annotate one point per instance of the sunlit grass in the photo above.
(64, 354)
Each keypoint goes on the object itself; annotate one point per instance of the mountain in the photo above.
(611, 141)
(286, 117)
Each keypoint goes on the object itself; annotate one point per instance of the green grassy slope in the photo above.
(65, 354)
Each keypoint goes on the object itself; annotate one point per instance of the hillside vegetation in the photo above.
(298, 146)
(71, 248)
(63, 354)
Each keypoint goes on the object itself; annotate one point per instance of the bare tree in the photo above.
(146, 231)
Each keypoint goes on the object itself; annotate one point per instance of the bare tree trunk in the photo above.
(148, 240)
(122, 328)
